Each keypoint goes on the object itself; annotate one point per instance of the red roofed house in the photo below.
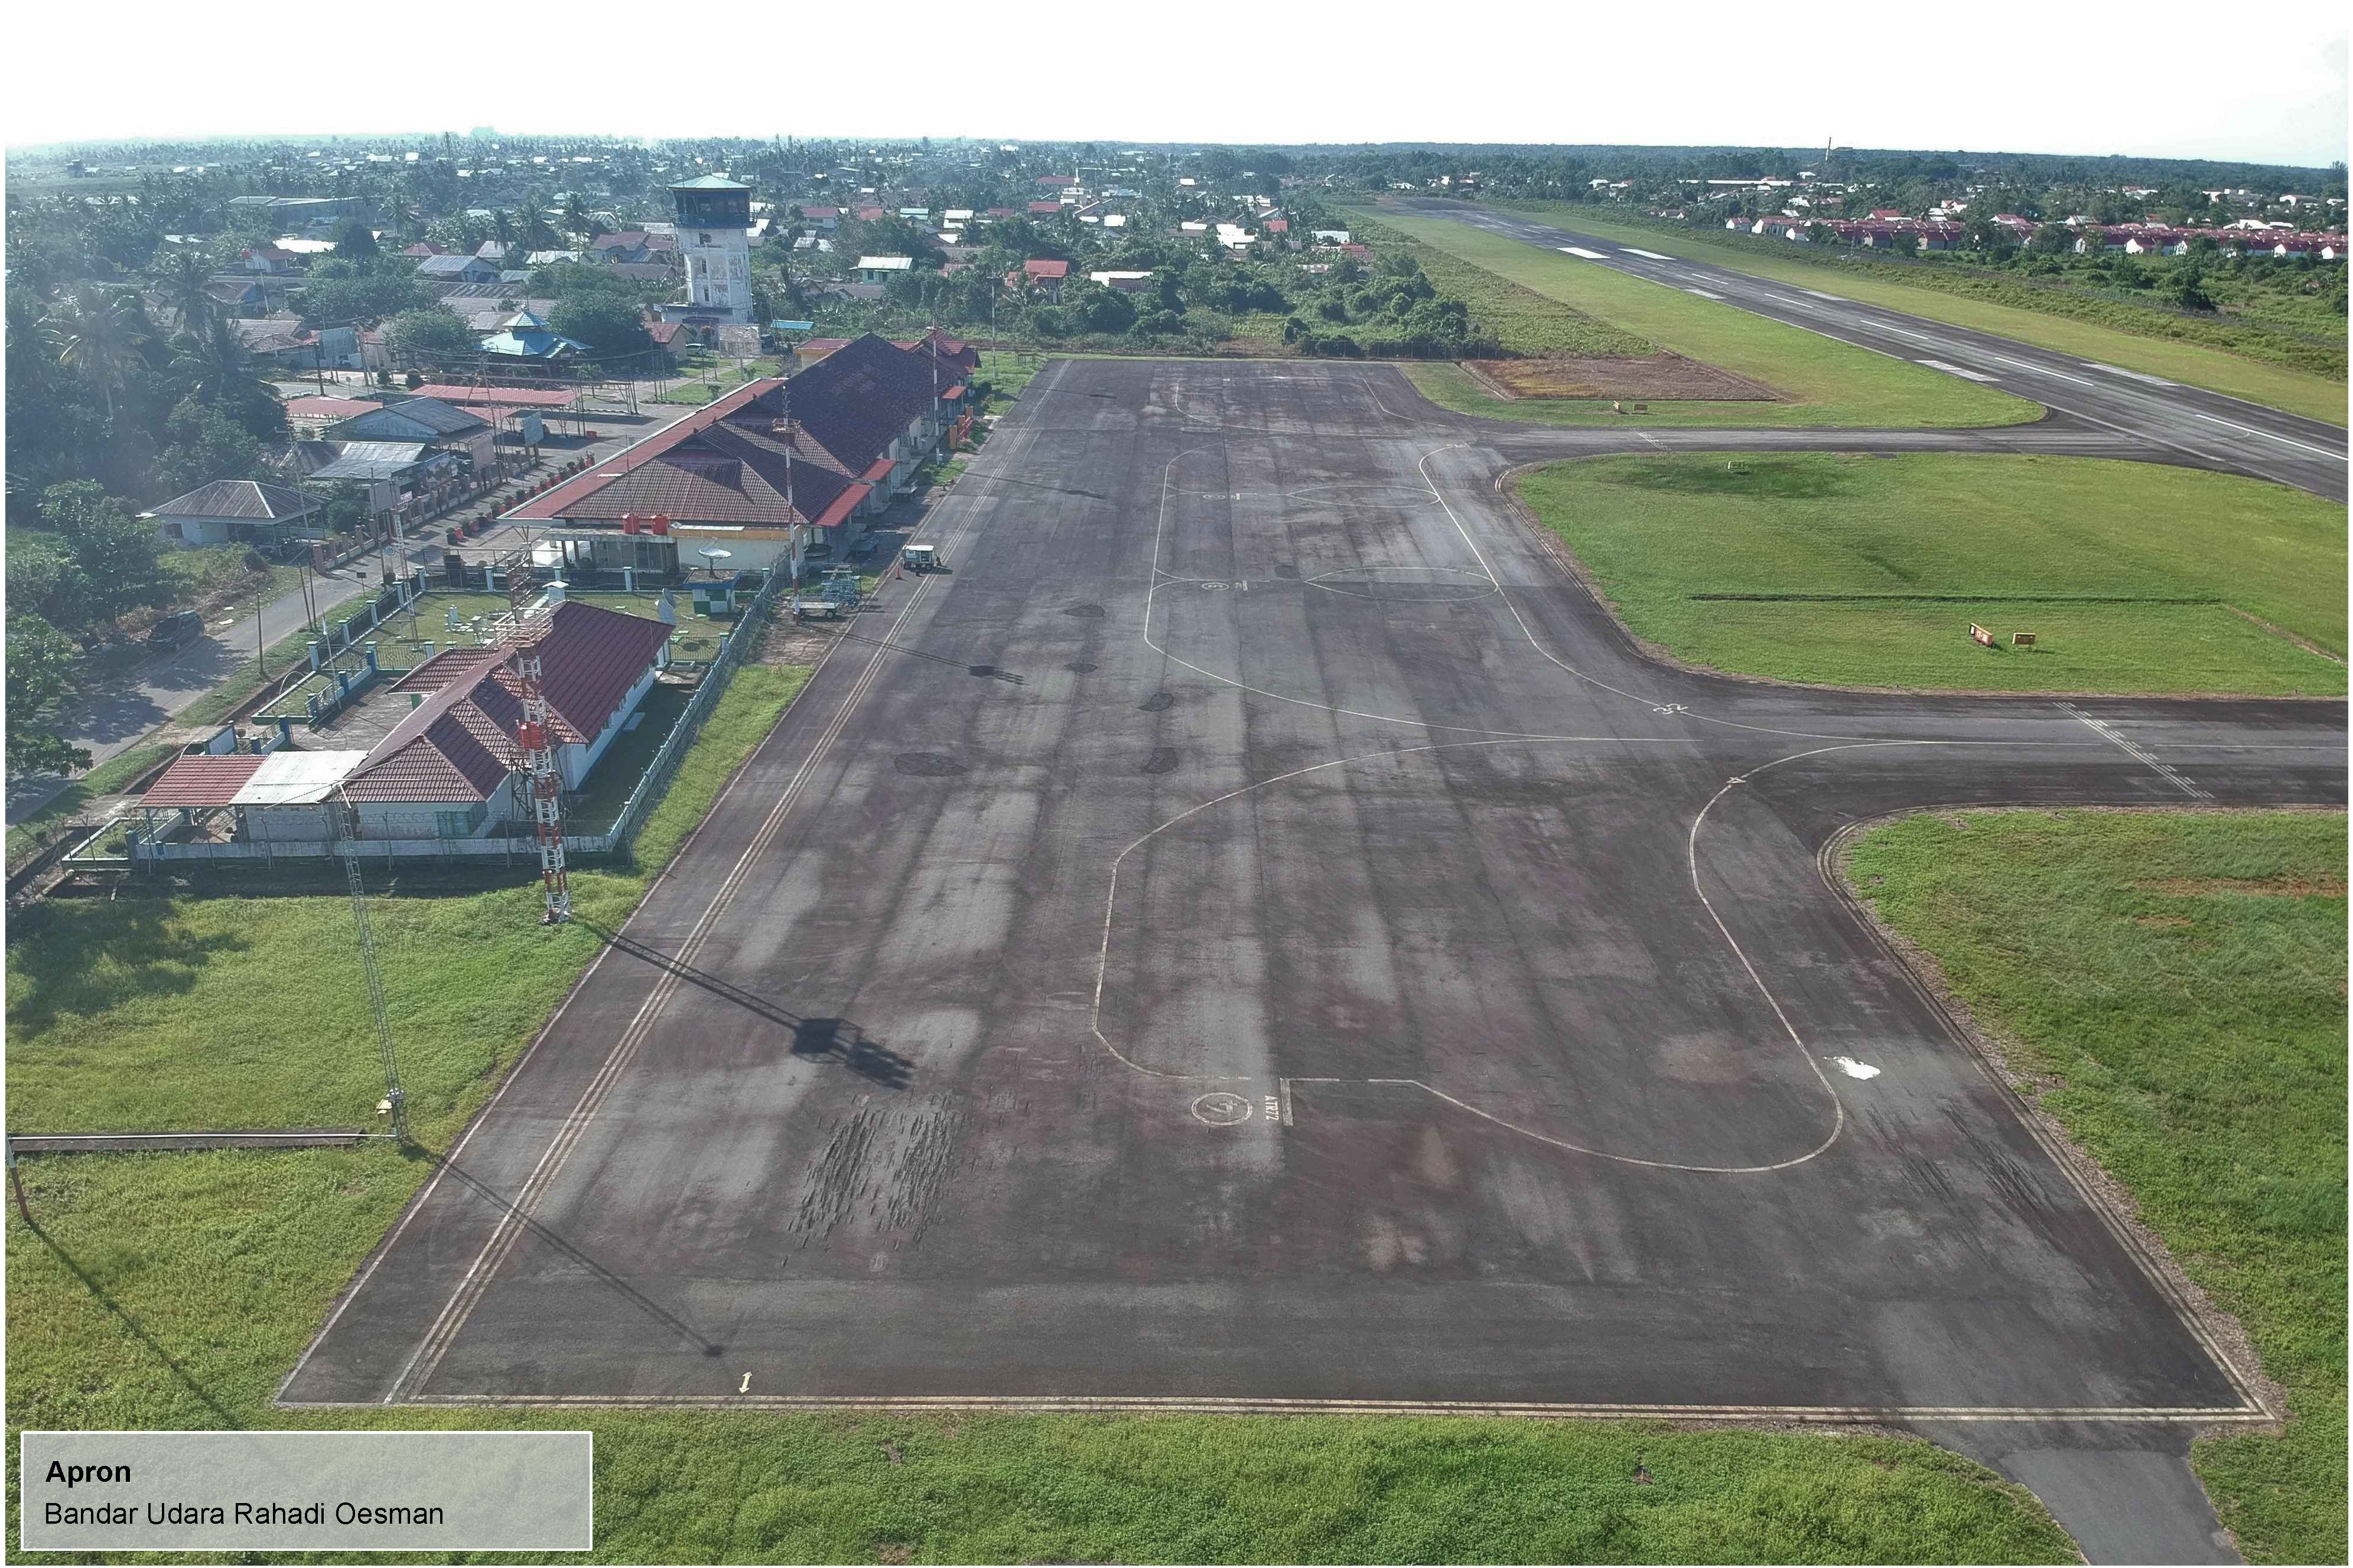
(445, 771)
(1040, 274)
(1045, 209)
(1058, 181)
(774, 473)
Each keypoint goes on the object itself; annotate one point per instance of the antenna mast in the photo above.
(536, 760)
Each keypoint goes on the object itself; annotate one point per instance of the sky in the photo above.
(2030, 76)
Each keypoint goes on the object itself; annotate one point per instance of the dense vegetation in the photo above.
(2171, 987)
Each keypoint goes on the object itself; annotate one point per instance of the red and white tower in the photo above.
(542, 781)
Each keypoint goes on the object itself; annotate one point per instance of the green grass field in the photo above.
(1863, 571)
(2198, 364)
(1826, 383)
(145, 1012)
(2176, 983)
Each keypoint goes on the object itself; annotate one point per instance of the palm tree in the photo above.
(184, 282)
(398, 210)
(98, 333)
(210, 363)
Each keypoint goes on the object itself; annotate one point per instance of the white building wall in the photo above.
(718, 269)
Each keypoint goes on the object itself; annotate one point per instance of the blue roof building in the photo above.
(524, 335)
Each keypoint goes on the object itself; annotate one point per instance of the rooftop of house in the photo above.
(243, 500)
(412, 419)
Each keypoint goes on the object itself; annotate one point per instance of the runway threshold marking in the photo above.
(2132, 374)
(471, 1286)
(1645, 255)
(1956, 369)
(2108, 731)
(1580, 250)
(2060, 374)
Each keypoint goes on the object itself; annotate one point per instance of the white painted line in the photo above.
(1833, 299)
(1907, 332)
(2108, 731)
(1854, 1069)
(1703, 293)
(1215, 1404)
(2046, 370)
(2251, 430)
(1954, 370)
(1645, 255)
(1580, 250)
(2134, 375)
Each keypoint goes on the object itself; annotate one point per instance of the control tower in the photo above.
(714, 220)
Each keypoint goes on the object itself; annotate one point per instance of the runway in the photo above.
(2189, 425)
(1258, 936)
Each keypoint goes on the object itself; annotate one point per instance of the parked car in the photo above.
(177, 630)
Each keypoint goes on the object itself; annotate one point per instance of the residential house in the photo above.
(527, 336)
(234, 511)
(640, 245)
(1041, 273)
(285, 341)
(882, 268)
(424, 420)
(271, 260)
(456, 269)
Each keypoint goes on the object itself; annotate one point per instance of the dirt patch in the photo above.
(798, 642)
(2324, 887)
(1665, 376)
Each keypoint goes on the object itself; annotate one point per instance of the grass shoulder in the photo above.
(2170, 987)
(1867, 571)
(2155, 343)
(1822, 382)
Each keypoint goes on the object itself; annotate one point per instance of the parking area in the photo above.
(1255, 933)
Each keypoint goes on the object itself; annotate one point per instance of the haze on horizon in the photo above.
(2024, 77)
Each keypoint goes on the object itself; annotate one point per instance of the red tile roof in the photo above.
(458, 744)
(726, 464)
(1045, 270)
(198, 781)
(1044, 209)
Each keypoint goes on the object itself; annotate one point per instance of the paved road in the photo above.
(1259, 936)
(165, 686)
(168, 683)
(2203, 428)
